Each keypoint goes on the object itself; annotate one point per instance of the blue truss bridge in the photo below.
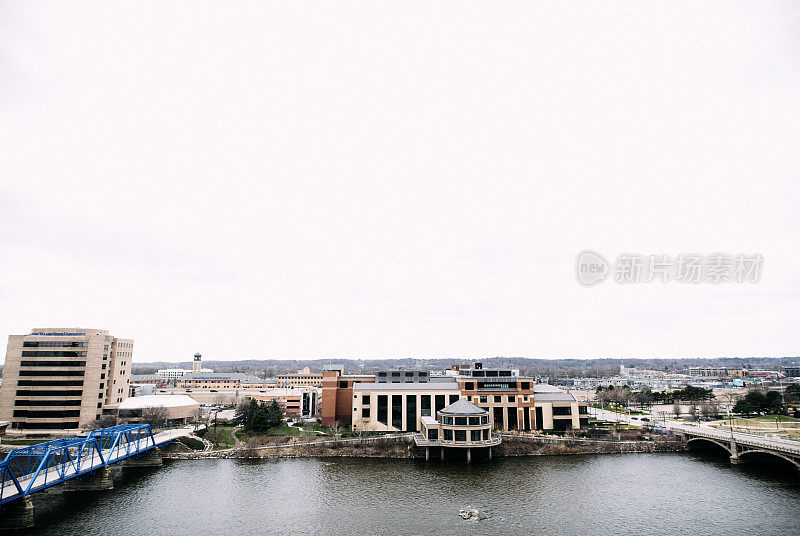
(27, 470)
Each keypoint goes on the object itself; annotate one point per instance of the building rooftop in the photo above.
(161, 401)
(543, 392)
(463, 407)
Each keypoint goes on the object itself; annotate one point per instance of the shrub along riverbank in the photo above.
(402, 446)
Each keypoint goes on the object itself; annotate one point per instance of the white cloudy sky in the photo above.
(397, 179)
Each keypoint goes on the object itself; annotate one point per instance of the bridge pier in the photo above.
(427, 453)
(149, 458)
(17, 515)
(98, 480)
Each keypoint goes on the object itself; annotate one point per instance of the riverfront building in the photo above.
(461, 425)
(391, 401)
(63, 378)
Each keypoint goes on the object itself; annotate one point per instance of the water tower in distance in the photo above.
(197, 363)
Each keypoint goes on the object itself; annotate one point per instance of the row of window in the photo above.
(498, 399)
(486, 373)
(47, 402)
(28, 392)
(47, 414)
(52, 353)
(45, 425)
(459, 435)
(465, 421)
(50, 383)
(53, 364)
(52, 372)
(54, 344)
(497, 386)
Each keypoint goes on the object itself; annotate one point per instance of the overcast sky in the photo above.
(407, 179)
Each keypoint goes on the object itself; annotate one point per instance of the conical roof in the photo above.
(463, 407)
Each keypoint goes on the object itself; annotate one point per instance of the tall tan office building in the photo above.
(63, 378)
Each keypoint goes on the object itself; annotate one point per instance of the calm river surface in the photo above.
(565, 495)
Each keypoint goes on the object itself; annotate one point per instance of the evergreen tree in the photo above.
(274, 415)
(259, 422)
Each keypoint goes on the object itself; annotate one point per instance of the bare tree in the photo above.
(693, 411)
(336, 432)
(676, 409)
(106, 421)
(709, 410)
(155, 416)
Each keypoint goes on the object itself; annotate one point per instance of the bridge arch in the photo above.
(702, 441)
(774, 454)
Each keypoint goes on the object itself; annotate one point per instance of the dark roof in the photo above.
(463, 407)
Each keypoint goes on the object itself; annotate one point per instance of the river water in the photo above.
(670, 493)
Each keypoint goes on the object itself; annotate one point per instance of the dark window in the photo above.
(448, 435)
(409, 374)
(53, 383)
(485, 434)
(425, 405)
(483, 399)
(411, 413)
(559, 425)
(365, 400)
(343, 384)
(439, 403)
(475, 435)
(383, 409)
(53, 363)
(562, 411)
(474, 421)
(54, 344)
(51, 353)
(497, 399)
(505, 373)
(512, 418)
(461, 421)
(469, 386)
(19, 402)
(423, 374)
(45, 425)
(512, 398)
(583, 409)
(397, 411)
(433, 434)
(461, 435)
(477, 374)
(498, 417)
(453, 399)
(525, 386)
(365, 413)
(47, 414)
(491, 373)
(51, 373)
(395, 374)
(381, 374)
(26, 392)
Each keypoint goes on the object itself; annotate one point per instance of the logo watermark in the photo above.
(592, 268)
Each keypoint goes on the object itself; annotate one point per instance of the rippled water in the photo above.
(565, 495)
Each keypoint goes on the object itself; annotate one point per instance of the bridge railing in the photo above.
(29, 469)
